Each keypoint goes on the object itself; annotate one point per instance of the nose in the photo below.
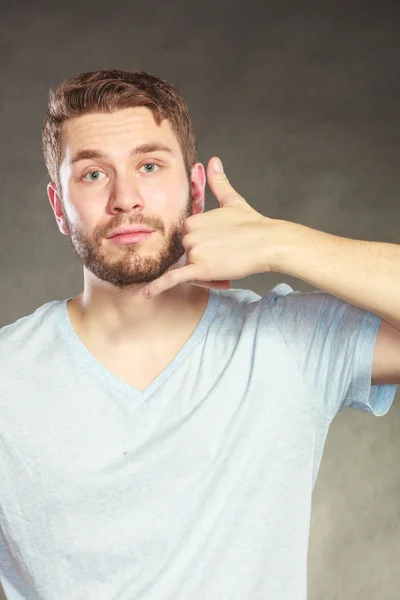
(125, 194)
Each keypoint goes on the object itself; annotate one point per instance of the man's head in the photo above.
(120, 151)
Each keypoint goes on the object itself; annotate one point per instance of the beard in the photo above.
(130, 268)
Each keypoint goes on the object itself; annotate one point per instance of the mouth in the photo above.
(131, 237)
(129, 231)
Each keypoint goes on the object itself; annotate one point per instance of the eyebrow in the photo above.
(141, 149)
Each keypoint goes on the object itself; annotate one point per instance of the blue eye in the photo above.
(93, 176)
(149, 165)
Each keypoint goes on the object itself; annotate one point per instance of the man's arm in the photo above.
(363, 273)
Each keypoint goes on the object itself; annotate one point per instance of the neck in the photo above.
(116, 316)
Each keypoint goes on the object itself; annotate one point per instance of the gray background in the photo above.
(301, 102)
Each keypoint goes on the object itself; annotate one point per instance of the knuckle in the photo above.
(187, 241)
(222, 178)
(188, 223)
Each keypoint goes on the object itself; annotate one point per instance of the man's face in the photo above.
(108, 182)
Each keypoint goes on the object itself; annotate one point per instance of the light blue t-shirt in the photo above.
(197, 488)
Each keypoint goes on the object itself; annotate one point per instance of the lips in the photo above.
(127, 230)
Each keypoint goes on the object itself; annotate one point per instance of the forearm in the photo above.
(363, 273)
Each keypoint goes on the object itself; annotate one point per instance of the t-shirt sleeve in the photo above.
(332, 344)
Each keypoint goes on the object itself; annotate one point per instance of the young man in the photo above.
(166, 447)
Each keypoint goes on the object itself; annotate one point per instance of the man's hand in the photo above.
(227, 243)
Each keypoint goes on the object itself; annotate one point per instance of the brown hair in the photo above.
(108, 91)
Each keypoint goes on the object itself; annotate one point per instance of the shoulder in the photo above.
(30, 328)
(243, 306)
(249, 300)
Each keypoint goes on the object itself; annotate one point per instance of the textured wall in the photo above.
(302, 104)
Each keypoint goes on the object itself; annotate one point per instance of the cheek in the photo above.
(168, 197)
(157, 196)
(82, 218)
(80, 214)
(85, 208)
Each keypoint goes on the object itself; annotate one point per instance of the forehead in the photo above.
(115, 132)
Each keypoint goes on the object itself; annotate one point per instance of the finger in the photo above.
(169, 280)
(220, 186)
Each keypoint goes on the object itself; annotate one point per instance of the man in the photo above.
(161, 433)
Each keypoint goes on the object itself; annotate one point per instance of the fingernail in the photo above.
(218, 165)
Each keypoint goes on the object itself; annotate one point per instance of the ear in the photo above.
(198, 183)
(57, 207)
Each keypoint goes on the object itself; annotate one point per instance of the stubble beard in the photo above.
(131, 268)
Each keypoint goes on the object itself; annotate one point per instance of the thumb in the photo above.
(219, 184)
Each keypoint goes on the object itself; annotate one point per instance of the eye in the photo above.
(147, 170)
(93, 176)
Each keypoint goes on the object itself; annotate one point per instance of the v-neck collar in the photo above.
(110, 379)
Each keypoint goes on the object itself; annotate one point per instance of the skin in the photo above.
(150, 189)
